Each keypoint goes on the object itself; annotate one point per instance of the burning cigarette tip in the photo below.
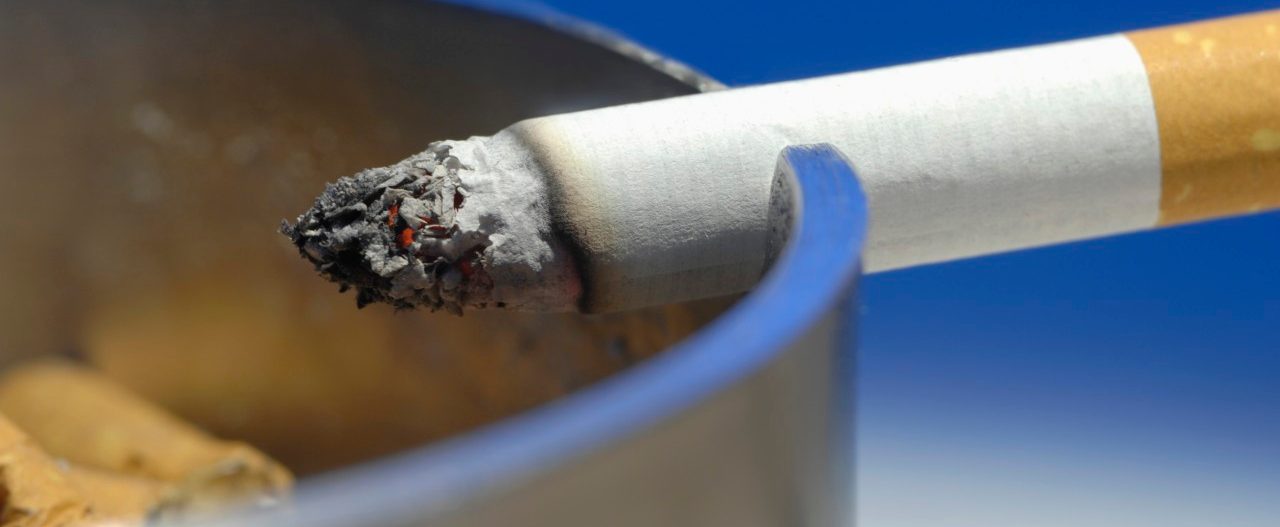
(393, 234)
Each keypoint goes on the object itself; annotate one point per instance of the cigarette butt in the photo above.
(125, 499)
(33, 491)
(85, 418)
(118, 498)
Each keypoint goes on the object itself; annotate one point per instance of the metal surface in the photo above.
(149, 150)
(598, 35)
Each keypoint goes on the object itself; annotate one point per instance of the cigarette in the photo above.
(666, 201)
(84, 418)
(34, 492)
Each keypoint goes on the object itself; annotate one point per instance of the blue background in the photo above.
(1127, 381)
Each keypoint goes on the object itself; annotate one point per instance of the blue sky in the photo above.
(1128, 381)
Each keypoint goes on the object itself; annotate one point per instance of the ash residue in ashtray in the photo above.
(394, 234)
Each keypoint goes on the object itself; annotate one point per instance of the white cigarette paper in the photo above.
(959, 157)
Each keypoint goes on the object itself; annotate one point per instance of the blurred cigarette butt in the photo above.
(119, 499)
(34, 492)
(85, 418)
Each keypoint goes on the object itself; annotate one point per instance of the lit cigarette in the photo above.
(666, 201)
(114, 435)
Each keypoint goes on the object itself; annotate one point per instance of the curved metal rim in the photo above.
(597, 35)
(819, 265)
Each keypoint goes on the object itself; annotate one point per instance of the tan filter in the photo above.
(1216, 88)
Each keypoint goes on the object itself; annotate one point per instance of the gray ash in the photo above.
(392, 234)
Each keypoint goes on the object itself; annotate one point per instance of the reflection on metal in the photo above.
(600, 36)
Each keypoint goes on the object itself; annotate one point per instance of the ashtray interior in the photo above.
(149, 150)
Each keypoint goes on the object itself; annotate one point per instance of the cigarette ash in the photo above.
(393, 233)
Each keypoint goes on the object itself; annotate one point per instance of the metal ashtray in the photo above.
(129, 131)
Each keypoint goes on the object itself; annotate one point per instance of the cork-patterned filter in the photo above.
(1216, 88)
